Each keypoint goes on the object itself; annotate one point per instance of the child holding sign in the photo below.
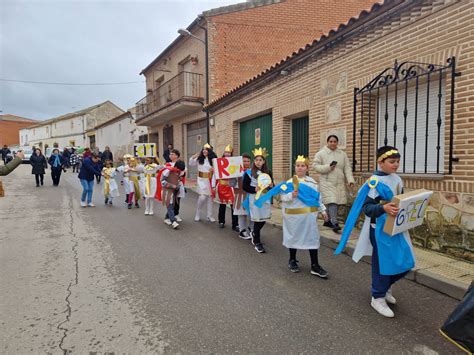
(225, 192)
(392, 256)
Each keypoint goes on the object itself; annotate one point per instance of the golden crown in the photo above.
(127, 156)
(387, 154)
(207, 146)
(302, 159)
(260, 152)
(228, 148)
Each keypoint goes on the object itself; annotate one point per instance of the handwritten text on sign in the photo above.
(412, 207)
(227, 168)
(144, 150)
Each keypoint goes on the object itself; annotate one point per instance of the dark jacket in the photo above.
(89, 169)
(107, 155)
(166, 155)
(38, 164)
(4, 152)
(61, 161)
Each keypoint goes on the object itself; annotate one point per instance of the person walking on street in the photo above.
(66, 157)
(334, 168)
(106, 155)
(38, 165)
(89, 169)
(5, 151)
(57, 165)
(97, 151)
(74, 161)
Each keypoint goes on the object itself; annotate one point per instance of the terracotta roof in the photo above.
(72, 114)
(376, 10)
(15, 118)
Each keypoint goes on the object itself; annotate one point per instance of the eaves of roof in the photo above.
(115, 119)
(377, 11)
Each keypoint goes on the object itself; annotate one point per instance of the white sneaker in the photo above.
(381, 306)
(211, 219)
(197, 219)
(150, 213)
(168, 221)
(175, 225)
(178, 219)
(146, 213)
(83, 204)
(389, 297)
(90, 205)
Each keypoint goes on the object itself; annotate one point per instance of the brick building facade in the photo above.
(317, 86)
(10, 127)
(243, 40)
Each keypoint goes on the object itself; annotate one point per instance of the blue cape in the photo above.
(395, 255)
(309, 196)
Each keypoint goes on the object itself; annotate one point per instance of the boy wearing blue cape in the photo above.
(392, 256)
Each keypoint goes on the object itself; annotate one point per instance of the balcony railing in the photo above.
(185, 85)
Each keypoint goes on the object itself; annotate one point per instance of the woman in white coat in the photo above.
(205, 181)
(334, 168)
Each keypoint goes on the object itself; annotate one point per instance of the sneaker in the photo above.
(129, 206)
(175, 225)
(319, 271)
(90, 204)
(236, 229)
(329, 224)
(259, 248)
(211, 219)
(337, 227)
(381, 306)
(293, 266)
(168, 221)
(221, 225)
(245, 235)
(37, 185)
(197, 219)
(389, 297)
(146, 213)
(110, 202)
(150, 213)
(106, 200)
(177, 218)
(83, 204)
(137, 205)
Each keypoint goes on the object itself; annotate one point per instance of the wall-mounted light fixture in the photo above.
(211, 121)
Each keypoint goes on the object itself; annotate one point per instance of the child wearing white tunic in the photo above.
(110, 186)
(300, 227)
(258, 215)
(133, 170)
(124, 175)
(205, 181)
(149, 183)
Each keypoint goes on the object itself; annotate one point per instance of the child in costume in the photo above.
(392, 256)
(245, 225)
(205, 181)
(258, 215)
(174, 157)
(225, 193)
(169, 189)
(149, 182)
(121, 170)
(133, 170)
(301, 202)
(110, 186)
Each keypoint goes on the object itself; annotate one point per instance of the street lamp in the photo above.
(186, 33)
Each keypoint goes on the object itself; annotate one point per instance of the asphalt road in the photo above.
(108, 279)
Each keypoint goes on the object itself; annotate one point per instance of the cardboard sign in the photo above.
(412, 207)
(228, 168)
(144, 150)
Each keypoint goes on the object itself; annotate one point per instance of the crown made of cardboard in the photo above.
(302, 159)
(207, 146)
(127, 156)
(260, 152)
(387, 154)
(228, 148)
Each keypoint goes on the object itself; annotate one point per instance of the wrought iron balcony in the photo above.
(183, 88)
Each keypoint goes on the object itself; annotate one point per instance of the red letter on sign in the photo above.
(222, 164)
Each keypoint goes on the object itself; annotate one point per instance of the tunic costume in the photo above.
(110, 185)
(205, 179)
(126, 183)
(300, 227)
(149, 186)
(257, 214)
(134, 182)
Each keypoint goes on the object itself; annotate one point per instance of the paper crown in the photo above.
(207, 146)
(228, 148)
(387, 154)
(302, 159)
(262, 152)
(127, 156)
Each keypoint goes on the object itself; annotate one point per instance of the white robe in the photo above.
(258, 214)
(151, 172)
(204, 186)
(126, 183)
(131, 185)
(300, 231)
(113, 186)
(363, 246)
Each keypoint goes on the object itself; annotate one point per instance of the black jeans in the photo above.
(97, 177)
(313, 254)
(221, 216)
(56, 175)
(176, 205)
(257, 227)
(38, 178)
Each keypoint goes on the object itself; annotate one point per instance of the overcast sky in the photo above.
(84, 41)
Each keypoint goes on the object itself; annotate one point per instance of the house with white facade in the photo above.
(72, 129)
(120, 133)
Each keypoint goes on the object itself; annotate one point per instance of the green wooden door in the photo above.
(299, 139)
(257, 133)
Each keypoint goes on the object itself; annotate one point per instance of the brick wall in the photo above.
(243, 43)
(430, 32)
(9, 132)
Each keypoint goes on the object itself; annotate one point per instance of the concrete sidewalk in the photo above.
(434, 270)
